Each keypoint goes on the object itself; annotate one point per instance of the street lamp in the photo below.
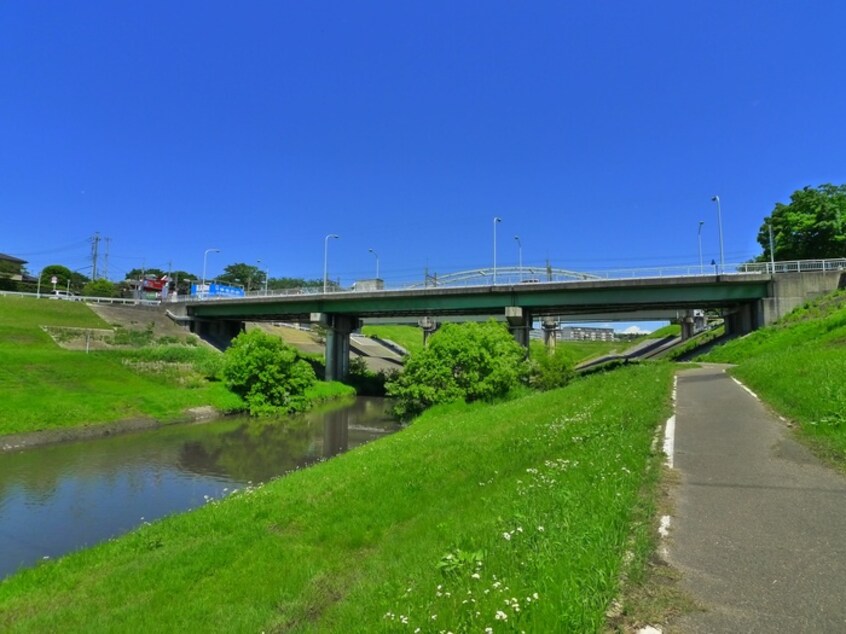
(377, 261)
(716, 199)
(519, 256)
(772, 247)
(205, 256)
(326, 258)
(496, 221)
(699, 235)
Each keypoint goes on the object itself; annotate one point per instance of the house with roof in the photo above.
(11, 268)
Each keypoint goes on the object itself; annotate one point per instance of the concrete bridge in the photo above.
(746, 301)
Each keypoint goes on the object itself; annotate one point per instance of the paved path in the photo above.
(759, 526)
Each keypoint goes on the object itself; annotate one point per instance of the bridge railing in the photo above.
(83, 298)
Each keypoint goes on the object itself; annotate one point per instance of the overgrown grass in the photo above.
(47, 387)
(409, 337)
(514, 516)
(799, 367)
(670, 330)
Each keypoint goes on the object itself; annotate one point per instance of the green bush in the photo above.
(550, 369)
(467, 362)
(266, 373)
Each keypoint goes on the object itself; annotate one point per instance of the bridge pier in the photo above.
(519, 323)
(429, 326)
(550, 326)
(688, 325)
(337, 350)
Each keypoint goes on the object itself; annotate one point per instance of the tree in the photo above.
(137, 274)
(285, 283)
(812, 226)
(241, 274)
(65, 278)
(100, 288)
(468, 362)
(266, 373)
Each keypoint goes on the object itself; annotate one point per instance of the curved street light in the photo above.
(326, 258)
(496, 221)
(519, 256)
(716, 199)
(373, 251)
(205, 257)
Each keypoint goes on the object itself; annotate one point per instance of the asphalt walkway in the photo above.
(759, 526)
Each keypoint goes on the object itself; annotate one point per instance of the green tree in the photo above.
(65, 278)
(266, 373)
(285, 283)
(137, 274)
(812, 225)
(241, 274)
(100, 288)
(549, 369)
(470, 362)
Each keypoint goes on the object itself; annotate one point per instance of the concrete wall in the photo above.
(790, 290)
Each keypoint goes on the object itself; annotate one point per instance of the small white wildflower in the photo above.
(506, 536)
(540, 529)
(501, 616)
(475, 575)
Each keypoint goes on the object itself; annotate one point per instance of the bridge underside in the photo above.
(747, 301)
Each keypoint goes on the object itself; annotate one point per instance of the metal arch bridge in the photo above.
(504, 275)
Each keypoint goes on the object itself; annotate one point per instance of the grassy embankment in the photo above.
(798, 366)
(47, 387)
(515, 516)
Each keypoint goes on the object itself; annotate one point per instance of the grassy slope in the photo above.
(409, 337)
(540, 490)
(799, 367)
(47, 387)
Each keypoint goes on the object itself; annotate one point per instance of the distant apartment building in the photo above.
(585, 333)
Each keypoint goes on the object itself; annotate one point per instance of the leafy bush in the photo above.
(550, 369)
(467, 362)
(266, 373)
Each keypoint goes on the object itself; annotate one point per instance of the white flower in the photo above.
(506, 536)
(501, 616)
(475, 575)
(540, 529)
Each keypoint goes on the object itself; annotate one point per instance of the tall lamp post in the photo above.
(519, 256)
(205, 258)
(716, 199)
(373, 251)
(326, 258)
(699, 235)
(772, 246)
(496, 221)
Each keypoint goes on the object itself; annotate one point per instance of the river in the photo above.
(60, 498)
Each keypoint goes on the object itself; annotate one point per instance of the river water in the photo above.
(60, 498)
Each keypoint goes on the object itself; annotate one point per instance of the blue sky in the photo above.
(597, 131)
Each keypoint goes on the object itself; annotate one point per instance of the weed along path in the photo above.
(759, 522)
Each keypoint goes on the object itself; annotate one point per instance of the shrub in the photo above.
(550, 369)
(467, 362)
(266, 373)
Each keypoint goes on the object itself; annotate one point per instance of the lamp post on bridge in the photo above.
(699, 235)
(716, 199)
(519, 256)
(205, 257)
(326, 258)
(496, 221)
(373, 251)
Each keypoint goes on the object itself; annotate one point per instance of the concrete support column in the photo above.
(338, 329)
(550, 326)
(687, 326)
(429, 326)
(520, 324)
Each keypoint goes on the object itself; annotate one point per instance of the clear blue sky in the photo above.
(598, 131)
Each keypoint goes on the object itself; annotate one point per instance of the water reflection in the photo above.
(64, 497)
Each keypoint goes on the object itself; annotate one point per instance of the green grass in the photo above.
(670, 330)
(409, 337)
(468, 513)
(47, 387)
(799, 367)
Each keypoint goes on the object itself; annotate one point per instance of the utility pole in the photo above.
(95, 245)
(106, 258)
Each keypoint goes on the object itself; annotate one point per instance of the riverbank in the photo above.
(29, 440)
(517, 515)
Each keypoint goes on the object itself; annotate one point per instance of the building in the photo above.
(11, 267)
(585, 333)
